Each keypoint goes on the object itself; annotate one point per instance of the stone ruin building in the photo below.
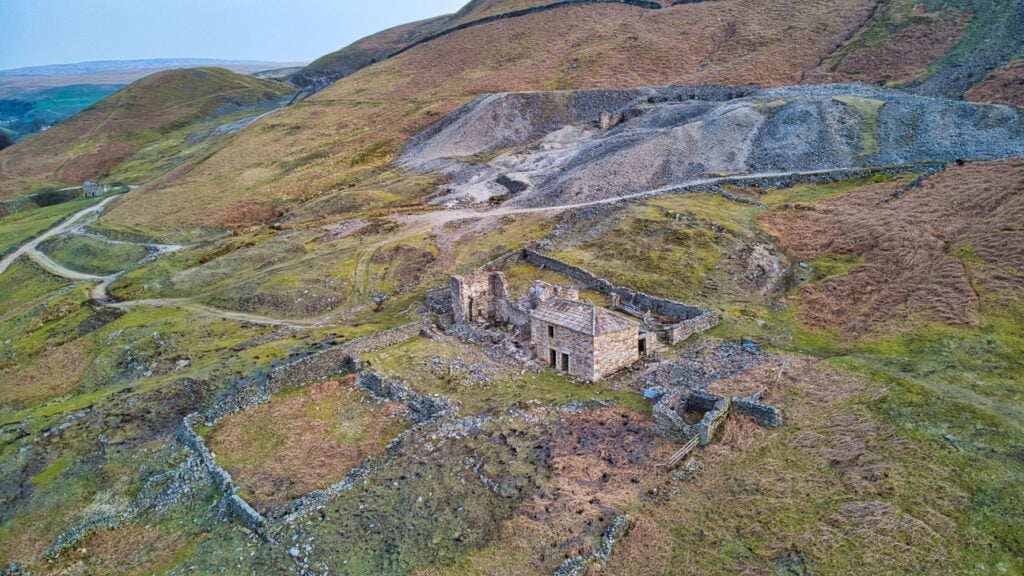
(578, 338)
(584, 340)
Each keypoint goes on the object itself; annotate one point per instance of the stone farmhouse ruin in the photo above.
(584, 340)
(575, 337)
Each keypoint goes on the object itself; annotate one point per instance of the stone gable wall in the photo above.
(471, 297)
(614, 351)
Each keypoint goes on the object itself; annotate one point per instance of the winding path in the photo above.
(74, 222)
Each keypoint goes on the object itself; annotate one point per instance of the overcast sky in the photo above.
(42, 32)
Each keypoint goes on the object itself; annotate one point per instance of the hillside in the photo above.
(253, 362)
(309, 149)
(93, 142)
(318, 148)
(46, 95)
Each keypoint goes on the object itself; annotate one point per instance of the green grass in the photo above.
(867, 109)
(66, 101)
(92, 255)
(47, 477)
(18, 228)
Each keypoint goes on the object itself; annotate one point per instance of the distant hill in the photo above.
(150, 65)
(32, 99)
(90, 143)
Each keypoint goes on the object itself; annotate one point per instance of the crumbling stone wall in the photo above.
(231, 502)
(579, 566)
(342, 358)
(421, 408)
(668, 419)
(662, 306)
(707, 320)
(762, 414)
(439, 300)
(471, 297)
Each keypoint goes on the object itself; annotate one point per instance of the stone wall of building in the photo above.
(668, 413)
(578, 346)
(471, 297)
(614, 351)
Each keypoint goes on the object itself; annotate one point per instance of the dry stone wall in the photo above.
(763, 414)
(579, 566)
(230, 501)
(261, 386)
(662, 306)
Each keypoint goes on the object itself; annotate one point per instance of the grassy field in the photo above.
(270, 452)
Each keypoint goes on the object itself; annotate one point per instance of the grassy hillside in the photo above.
(88, 145)
(337, 142)
(937, 47)
(380, 46)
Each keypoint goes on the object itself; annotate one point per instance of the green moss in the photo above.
(867, 109)
(47, 477)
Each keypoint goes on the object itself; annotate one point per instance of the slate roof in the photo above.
(581, 317)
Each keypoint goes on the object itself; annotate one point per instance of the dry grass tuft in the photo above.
(52, 373)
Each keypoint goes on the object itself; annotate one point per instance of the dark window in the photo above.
(554, 359)
(643, 347)
(551, 331)
(565, 362)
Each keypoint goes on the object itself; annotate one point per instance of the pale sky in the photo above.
(42, 32)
